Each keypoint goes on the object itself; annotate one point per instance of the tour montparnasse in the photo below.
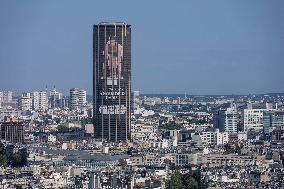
(112, 80)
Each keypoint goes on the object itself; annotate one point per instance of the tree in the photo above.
(191, 183)
(176, 181)
(4, 159)
(16, 160)
(24, 157)
(191, 180)
(229, 149)
(62, 129)
(170, 126)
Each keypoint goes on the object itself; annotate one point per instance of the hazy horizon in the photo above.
(199, 48)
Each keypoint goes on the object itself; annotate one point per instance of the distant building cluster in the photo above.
(34, 101)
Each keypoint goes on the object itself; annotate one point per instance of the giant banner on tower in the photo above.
(112, 74)
(113, 62)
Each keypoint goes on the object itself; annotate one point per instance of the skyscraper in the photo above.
(112, 80)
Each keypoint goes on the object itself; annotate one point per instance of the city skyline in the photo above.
(146, 94)
(240, 55)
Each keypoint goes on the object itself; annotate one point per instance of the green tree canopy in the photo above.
(176, 181)
(4, 159)
(191, 183)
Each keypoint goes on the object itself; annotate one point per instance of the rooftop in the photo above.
(112, 23)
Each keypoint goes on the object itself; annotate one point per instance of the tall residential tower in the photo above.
(112, 80)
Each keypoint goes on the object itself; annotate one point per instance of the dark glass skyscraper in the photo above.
(112, 80)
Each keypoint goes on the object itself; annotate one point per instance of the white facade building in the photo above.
(253, 119)
(25, 102)
(40, 100)
(208, 138)
(231, 120)
(43, 100)
(222, 137)
(152, 101)
(144, 132)
(242, 136)
(74, 98)
(78, 98)
(34, 101)
(82, 98)
(6, 96)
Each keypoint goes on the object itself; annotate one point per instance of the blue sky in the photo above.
(197, 47)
